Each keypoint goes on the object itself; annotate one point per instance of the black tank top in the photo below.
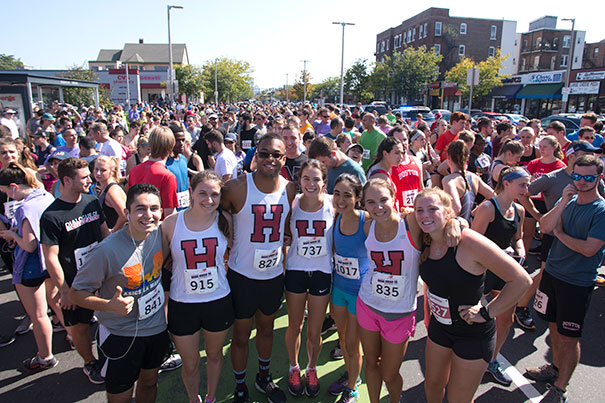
(446, 279)
(525, 160)
(501, 230)
(111, 216)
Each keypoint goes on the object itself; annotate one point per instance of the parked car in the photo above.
(408, 114)
(570, 120)
(496, 117)
(514, 118)
(381, 109)
(445, 114)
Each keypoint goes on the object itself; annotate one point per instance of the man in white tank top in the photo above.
(259, 203)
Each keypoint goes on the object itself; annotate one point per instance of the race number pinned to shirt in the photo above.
(81, 253)
(246, 144)
(183, 198)
(201, 281)
(347, 267)
(366, 154)
(440, 308)
(387, 286)
(408, 197)
(312, 246)
(123, 167)
(151, 302)
(482, 162)
(266, 259)
(540, 302)
(10, 207)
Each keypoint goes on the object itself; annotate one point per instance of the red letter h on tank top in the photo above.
(318, 226)
(260, 223)
(394, 268)
(192, 259)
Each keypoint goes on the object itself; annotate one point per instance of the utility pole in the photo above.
(216, 82)
(342, 59)
(287, 92)
(127, 88)
(569, 63)
(171, 71)
(305, 80)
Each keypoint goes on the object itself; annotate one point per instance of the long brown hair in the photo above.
(209, 175)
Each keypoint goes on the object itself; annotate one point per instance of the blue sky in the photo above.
(274, 36)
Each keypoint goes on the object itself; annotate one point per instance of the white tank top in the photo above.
(311, 248)
(258, 232)
(391, 282)
(198, 268)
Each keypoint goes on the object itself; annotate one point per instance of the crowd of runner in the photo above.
(169, 225)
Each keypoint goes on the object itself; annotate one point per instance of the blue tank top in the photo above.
(179, 168)
(350, 246)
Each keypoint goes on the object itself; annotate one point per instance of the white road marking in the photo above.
(518, 379)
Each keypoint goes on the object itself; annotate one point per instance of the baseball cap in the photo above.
(582, 145)
(9, 110)
(48, 116)
(213, 116)
(231, 137)
(352, 146)
(59, 155)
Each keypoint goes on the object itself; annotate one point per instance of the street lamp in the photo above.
(569, 62)
(216, 83)
(342, 59)
(305, 80)
(170, 72)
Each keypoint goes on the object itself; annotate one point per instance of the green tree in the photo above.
(10, 62)
(298, 90)
(190, 80)
(234, 79)
(489, 77)
(83, 96)
(357, 81)
(330, 88)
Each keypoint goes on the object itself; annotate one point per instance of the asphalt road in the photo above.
(67, 383)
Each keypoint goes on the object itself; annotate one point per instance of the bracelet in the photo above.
(484, 314)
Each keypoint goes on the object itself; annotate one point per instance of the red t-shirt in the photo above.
(443, 141)
(155, 173)
(408, 181)
(537, 168)
(564, 150)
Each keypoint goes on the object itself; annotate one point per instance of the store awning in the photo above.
(541, 91)
(505, 91)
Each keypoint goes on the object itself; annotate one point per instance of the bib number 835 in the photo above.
(387, 290)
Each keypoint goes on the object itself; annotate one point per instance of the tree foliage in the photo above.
(298, 90)
(190, 80)
(489, 77)
(234, 79)
(10, 62)
(83, 96)
(356, 81)
(330, 88)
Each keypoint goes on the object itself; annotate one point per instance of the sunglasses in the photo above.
(588, 178)
(325, 116)
(265, 155)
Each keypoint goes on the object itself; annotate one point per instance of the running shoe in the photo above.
(544, 373)
(495, 370)
(328, 325)
(93, 372)
(600, 282)
(269, 388)
(554, 395)
(524, 319)
(240, 396)
(173, 362)
(6, 340)
(35, 364)
(312, 384)
(348, 396)
(339, 385)
(336, 353)
(295, 386)
(25, 326)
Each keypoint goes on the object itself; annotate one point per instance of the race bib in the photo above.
(347, 267)
(440, 308)
(81, 253)
(247, 144)
(408, 197)
(123, 167)
(266, 259)
(201, 281)
(151, 302)
(387, 286)
(312, 246)
(482, 162)
(366, 154)
(540, 302)
(10, 207)
(183, 198)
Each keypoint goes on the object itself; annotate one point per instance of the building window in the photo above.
(553, 62)
(463, 29)
(461, 50)
(414, 34)
(566, 41)
(405, 37)
(524, 45)
(555, 42)
(388, 40)
(595, 53)
(522, 64)
(382, 46)
(396, 42)
(437, 48)
(420, 32)
(538, 42)
(492, 32)
(564, 60)
(377, 47)
(409, 35)
(438, 28)
(426, 29)
(491, 52)
(536, 62)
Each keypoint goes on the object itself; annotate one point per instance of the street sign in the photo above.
(472, 79)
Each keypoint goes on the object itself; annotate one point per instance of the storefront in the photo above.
(503, 98)
(452, 97)
(541, 95)
(434, 95)
(587, 91)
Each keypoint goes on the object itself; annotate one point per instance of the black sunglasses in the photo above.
(264, 155)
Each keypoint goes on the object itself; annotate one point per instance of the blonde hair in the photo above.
(115, 169)
(552, 140)
(446, 201)
(162, 142)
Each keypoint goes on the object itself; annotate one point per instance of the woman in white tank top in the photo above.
(200, 297)
(308, 277)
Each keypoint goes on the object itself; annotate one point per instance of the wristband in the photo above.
(484, 314)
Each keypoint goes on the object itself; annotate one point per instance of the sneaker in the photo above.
(6, 340)
(93, 372)
(336, 353)
(173, 362)
(312, 386)
(328, 325)
(554, 395)
(269, 388)
(339, 385)
(600, 282)
(295, 386)
(524, 319)
(544, 373)
(348, 396)
(35, 364)
(496, 371)
(240, 396)
(25, 326)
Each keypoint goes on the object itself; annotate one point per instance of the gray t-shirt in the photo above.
(116, 262)
(347, 167)
(552, 184)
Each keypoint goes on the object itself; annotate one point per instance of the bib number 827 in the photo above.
(267, 263)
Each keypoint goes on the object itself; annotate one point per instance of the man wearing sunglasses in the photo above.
(322, 126)
(578, 223)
